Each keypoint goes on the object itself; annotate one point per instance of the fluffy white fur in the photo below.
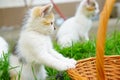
(36, 49)
(77, 26)
(3, 47)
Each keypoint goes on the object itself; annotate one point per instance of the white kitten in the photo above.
(35, 48)
(79, 25)
(3, 47)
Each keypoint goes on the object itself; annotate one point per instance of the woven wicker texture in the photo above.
(99, 68)
(87, 69)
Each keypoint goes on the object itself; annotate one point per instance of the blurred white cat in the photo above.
(3, 47)
(78, 26)
(35, 49)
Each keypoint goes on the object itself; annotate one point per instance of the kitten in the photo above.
(79, 25)
(35, 49)
(3, 47)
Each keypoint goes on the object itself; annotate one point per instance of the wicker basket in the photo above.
(86, 69)
(101, 67)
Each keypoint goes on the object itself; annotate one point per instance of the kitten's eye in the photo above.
(93, 4)
(51, 23)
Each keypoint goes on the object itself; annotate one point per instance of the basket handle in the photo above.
(101, 36)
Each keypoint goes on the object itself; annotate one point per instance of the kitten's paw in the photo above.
(70, 65)
(66, 66)
(72, 61)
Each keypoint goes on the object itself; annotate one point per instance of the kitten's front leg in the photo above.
(50, 61)
(57, 55)
(61, 57)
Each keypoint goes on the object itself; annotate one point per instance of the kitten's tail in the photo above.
(3, 47)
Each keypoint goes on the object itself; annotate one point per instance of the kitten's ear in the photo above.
(47, 9)
(88, 1)
(36, 12)
(40, 11)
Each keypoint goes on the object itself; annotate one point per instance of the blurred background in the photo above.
(12, 13)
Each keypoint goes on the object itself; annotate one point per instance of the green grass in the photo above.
(77, 51)
(4, 67)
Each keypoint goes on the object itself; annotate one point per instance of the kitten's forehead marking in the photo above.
(50, 16)
(48, 19)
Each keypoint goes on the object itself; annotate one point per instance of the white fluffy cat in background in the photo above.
(79, 25)
(35, 49)
(3, 47)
